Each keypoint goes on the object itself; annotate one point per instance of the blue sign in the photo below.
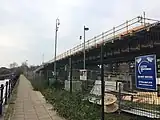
(146, 72)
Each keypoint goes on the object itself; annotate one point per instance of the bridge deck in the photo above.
(123, 43)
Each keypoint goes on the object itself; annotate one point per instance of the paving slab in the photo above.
(31, 105)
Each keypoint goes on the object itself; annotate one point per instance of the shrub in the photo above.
(71, 106)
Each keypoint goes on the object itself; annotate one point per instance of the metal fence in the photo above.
(6, 90)
(134, 101)
(128, 98)
(38, 80)
(120, 86)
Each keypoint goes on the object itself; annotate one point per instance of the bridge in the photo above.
(122, 43)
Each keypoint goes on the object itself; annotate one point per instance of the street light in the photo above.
(102, 81)
(102, 78)
(57, 26)
(84, 60)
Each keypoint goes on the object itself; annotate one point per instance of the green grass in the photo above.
(71, 107)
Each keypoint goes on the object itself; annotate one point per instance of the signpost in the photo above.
(158, 77)
(146, 72)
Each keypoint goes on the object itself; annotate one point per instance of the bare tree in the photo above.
(24, 64)
(13, 65)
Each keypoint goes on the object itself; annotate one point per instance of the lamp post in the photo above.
(84, 60)
(57, 26)
(102, 79)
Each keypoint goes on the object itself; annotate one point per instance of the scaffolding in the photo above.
(127, 28)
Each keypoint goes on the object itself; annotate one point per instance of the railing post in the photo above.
(1, 102)
(70, 62)
(127, 26)
(6, 93)
(9, 89)
(116, 85)
(95, 41)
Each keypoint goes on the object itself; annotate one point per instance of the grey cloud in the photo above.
(31, 24)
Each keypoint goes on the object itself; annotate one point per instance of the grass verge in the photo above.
(72, 107)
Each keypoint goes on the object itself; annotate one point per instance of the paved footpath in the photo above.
(31, 105)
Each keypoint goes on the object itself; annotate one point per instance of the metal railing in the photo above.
(6, 90)
(127, 28)
(129, 99)
(140, 103)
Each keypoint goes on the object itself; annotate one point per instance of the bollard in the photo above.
(1, 102)
(6, 93)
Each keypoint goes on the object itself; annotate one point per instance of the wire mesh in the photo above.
(138, 102)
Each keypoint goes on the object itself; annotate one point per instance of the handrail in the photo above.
(6, 90)
(134, 24)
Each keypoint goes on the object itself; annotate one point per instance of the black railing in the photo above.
(6, 90)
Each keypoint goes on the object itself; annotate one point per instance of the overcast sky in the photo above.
(27, 27)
